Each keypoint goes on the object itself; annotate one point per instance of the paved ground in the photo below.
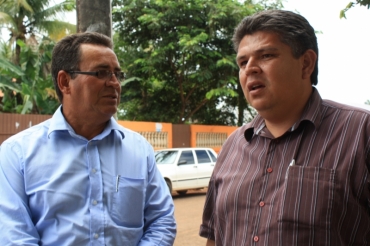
(188, 214)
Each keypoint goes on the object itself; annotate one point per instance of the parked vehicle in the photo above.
(186, 168)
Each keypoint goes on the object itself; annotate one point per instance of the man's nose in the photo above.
(113, 81)
(252, 67)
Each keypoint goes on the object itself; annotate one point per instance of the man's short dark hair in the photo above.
(293, 29)
(67, 53)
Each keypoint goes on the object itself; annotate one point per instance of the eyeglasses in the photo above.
(102, 74)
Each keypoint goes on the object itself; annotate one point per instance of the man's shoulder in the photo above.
(347, 109)
(32, 133)
(345, 119)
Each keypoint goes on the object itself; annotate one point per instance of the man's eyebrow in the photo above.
(106, 66)
(266, 49)
(238, 58)
(259, 51)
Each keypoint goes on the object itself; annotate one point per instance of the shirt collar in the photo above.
(312, 113)
(59, 123)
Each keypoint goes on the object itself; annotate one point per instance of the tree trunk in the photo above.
(94, 16)
(242, 104)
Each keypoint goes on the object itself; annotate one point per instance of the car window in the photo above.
(187, 156)
(212, 155)
(202, 156)
(166, 157)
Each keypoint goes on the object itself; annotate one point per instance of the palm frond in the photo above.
(56, 29)
(25, 5)
(6, 18)
(66, 6)
(6, 65)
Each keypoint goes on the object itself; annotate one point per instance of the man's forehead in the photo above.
(260, 42)
(260, 38)
(97, 54)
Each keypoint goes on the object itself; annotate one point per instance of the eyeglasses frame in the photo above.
(121, 74)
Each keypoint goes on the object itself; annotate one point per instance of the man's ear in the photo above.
(309, 62)
(63, 82)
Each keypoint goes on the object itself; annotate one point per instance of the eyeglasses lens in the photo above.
(106, 74)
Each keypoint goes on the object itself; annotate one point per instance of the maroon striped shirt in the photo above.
(307, 187)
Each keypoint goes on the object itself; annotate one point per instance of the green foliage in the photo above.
(367, 102)
(28, 87)
(25, 60)
(35, 18)
(353, 4)
(179, 59)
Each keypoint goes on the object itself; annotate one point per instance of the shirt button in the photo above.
(269, 170)
(96, 235)
(93, 170)
(95, 202)
(255, 238)
(262, 204)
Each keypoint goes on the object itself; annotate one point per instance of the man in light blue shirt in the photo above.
(80, 178)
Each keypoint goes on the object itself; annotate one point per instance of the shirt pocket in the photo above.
(128, 199)
(308, 197)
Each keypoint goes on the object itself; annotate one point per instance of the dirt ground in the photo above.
(188, 214)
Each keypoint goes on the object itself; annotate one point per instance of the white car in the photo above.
(186, 168)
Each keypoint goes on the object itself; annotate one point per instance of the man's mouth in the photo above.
(111, 96)
(254, 87)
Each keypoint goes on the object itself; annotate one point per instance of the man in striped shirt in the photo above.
(298, 174)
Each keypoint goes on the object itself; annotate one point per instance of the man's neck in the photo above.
(85, 127)
(278, 129)
(279, 123)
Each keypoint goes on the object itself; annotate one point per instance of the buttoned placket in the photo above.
(267, 170)
(95, 194)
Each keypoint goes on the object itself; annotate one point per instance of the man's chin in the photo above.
(260, 106)
(109, 112)
(257, 105)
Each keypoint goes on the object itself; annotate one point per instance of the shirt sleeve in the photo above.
(206, 228)
(159, 220)
(16, 224)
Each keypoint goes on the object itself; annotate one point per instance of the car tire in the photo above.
(182, 192)
(169, 185)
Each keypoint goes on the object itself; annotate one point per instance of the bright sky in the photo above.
(344, 48)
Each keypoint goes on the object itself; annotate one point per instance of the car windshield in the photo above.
(166, 157)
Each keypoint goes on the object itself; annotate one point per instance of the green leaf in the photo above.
(27, 105)
(6, 65)
(182, 53)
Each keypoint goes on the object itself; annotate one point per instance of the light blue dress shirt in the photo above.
(58, 188)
